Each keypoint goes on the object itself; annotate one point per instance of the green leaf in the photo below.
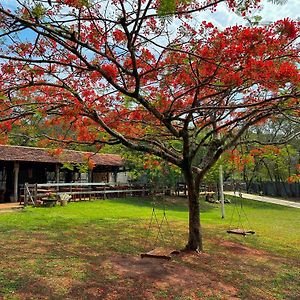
(68, 166)
(38, 11)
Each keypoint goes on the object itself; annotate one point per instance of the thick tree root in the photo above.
(187, 248)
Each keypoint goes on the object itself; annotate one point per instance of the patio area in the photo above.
(7, 207)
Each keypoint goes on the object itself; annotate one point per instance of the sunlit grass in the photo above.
(48, 251)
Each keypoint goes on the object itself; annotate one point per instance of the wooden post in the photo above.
(16, 181)
(115, 176)
(73, 197)
(104, 195)
(25, 194)
(57, 176)
(35, 194)
(80, 190)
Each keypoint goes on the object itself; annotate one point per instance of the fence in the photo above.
(33, 193)
(282, 189)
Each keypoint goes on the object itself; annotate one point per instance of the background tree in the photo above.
(272, 155)
(151, 170)
(116, 72)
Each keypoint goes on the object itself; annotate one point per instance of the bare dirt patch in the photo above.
(236, 248)
(171, 276)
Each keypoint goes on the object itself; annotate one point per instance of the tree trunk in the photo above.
(195, 234)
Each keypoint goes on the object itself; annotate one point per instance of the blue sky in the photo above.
(222, 18)
(269, 12)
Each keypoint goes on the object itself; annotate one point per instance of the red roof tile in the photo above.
(31, 154)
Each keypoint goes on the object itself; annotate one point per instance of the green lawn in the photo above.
(90, 250)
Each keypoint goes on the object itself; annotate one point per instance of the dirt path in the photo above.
(266, 199)
(9, 207)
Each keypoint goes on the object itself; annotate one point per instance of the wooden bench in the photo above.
(48, 202)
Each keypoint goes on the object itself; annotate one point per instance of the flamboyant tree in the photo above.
(117, 72)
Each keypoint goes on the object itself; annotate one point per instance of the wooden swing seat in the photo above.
(160, 252)
(240, 231)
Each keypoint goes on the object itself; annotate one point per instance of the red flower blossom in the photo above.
(110, 71)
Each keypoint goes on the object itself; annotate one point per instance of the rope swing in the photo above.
(159, 247)
(242, 218)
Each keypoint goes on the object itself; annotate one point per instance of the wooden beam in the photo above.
(16, 180)
(57, 173)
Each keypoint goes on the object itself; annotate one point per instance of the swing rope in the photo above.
(241, 215)
(159, 236)
(159, 252)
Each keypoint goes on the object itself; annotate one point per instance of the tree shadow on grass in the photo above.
(88, 263)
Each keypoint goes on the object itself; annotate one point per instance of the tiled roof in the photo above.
(31, 154)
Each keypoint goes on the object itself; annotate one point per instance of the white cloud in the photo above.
(272, 12)
(223, 17)
(269, 12)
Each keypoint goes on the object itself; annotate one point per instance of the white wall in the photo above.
(122, 177)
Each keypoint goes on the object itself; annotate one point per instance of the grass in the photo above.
(90, 250)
